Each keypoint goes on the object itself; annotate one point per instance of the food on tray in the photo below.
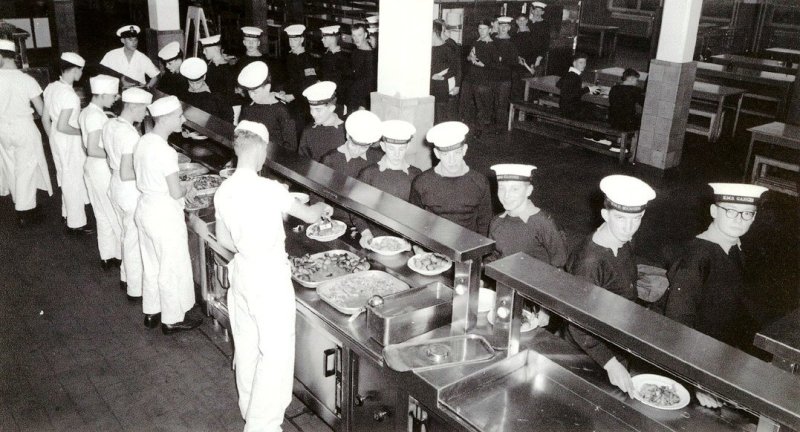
(430, 262)
(199, 202)
(319, 229)
(354, 291)
(207, 182)
(187, 171)
(388, 244)
(326, 266)
(660, 395)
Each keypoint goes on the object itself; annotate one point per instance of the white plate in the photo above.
(375, 240)
(421, 271)
(680, 390)
(339, 228)
(299, 196)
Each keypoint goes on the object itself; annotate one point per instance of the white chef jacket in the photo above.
(139, 65)
(153, 161)
(59, 96)
(92, 119)
(17, 88)
(119, 138)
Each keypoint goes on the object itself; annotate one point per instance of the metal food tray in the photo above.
(311, 284)
(438, 353)
(354, 304)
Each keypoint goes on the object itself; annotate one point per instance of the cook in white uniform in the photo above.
(60, 119)
(23, 167)
(96, 172)
(130, 62)
(261, 300)
(167, 288)
(120, 138)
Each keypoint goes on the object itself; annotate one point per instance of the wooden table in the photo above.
(785, 54)
(776, 133)
(733, 60)
(601, 30)
(755, 81)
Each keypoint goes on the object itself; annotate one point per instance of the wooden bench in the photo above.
(548, 121)
(761, 175)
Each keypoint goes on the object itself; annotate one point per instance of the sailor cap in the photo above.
(320, 93)
(71, 57)
(737, 193)
(171, 51)
(253, 75)
(397, 131)
(211, 41)
(128, 31)
(363, 127)
(329, 30)
(447, 136)
(104, 84)
(193, 68)
(7, 45)
(626, 194)
(254, 127)
(539, 5)
(372, 19)
(372, 29)
(295, 30)
(137, 95)
(504, 20)
(164, 106)
(513, 172)
(252, 32)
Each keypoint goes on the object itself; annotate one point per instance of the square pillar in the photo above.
(417, 111)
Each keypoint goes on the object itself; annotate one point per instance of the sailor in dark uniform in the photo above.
(363, 71)
(327, 133)
(251, 39)
(301, 73)
(392, 174)
(220, 77)
(707, 283)
(363, 131)
(451, 189)
(198, 93)
(265, 108)
(502, 79)
(335, 64)
(171, 81)
(572, 90)
(540, 34)
(606, 259)
(372, 29)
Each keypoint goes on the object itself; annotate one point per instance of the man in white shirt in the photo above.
(130, 62)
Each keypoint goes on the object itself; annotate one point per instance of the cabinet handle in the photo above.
(380, 415)
(328, 371)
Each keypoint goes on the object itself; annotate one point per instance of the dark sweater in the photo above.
(465, 200)
(622, 101)
(336, 160)
(486, 53)
(444, 57)
(336, 67)
(539, 237)
(365, 79)
(318, 140)
(277, 119)
(572, 90)
(212, 103)
(301, 72)
(508, 59)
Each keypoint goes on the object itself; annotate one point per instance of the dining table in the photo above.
(768, 65)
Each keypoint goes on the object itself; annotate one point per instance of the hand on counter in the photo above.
(619, 376)
(707, 400)
(366, 237)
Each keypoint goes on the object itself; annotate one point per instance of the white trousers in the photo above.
(22, 163)
(261, 306)
(167, 285)
(97, 175)
(125, 197)
(69, 158)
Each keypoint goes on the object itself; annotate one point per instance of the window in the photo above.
(646, 6)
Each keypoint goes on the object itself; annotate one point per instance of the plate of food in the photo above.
(198, 202)
(388, 245)
(206, 184)
(660, 392)
(326, 230)
(187, 171)
(313, 270)
(429, 264)
(529, 320)
(349, 294)
(300, 196)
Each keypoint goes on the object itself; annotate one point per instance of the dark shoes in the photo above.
(185, 325)
(27, 218)
(110, 263)
(123, 285)
(136, 299)
(84, 230)
(152, 320)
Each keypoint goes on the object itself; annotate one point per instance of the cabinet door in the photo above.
(374, 401)
(422, 419)
(317, 366)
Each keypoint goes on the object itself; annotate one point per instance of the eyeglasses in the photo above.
(733, 214)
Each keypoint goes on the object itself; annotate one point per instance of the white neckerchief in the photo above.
(524, 214)
(439, 169)
(345, 150)
(572, 69)
(299, 51)
(713, 235)
(334, 51)
(604, 239)
(383, 165)
(202, 89)
(333, 123)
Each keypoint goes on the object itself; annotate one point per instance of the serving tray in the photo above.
(349, 294)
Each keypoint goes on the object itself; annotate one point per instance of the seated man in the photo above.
(622, 101)
(572, 89)
(327, 133)
(199, 95)
(363, 131)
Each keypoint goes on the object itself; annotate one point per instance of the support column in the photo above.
(669, 86)
(64, 21)
(165, 26)
(404, 65)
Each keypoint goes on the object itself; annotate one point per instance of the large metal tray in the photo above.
(438, 353)
(349, 294)
(315, 284)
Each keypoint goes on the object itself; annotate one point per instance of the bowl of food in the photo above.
(429, 264)
(660, 392)
(325, 231)
(388, 245)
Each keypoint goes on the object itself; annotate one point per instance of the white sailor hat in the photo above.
(171, 51)
(295, 30)
(163, 106)
(320, 93)
(372, 19)
(128, 31)
(7, 45)
(372, 29)
(447, 136)
(73, 58)
(254, 127)
(737, 193)
(329, 30)
(363, 127)
(137, 95)
(540, 5)
(397, 131)
(104, 84)
(254, 75)
(504, 20)
(211, 41)
(252, 32)
(193, 68)
(513, 172)
(626, 194)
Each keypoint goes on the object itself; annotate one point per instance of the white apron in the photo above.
(109, 232)
(167, 285)
(69, 158)
(124, 198)
(23, 167)
(261, 306)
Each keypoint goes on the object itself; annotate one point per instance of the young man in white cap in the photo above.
(502, 78)
(199, 95)
(327, 132)
(171, 81)
(220, 76)
(606, 259)
(60, 120)
(445, 72)
(392, 174)
(335, 64)
(96, 173)
(363, 70)
(251, 39)
(261, 302)
(363, 131)
(540, 34)
(266, 108)
(22, 160)
(130, 62)
(451, 189)
(168, 287)
(120, 138)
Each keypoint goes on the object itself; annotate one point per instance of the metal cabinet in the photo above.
(374, 400)
(422, 419)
